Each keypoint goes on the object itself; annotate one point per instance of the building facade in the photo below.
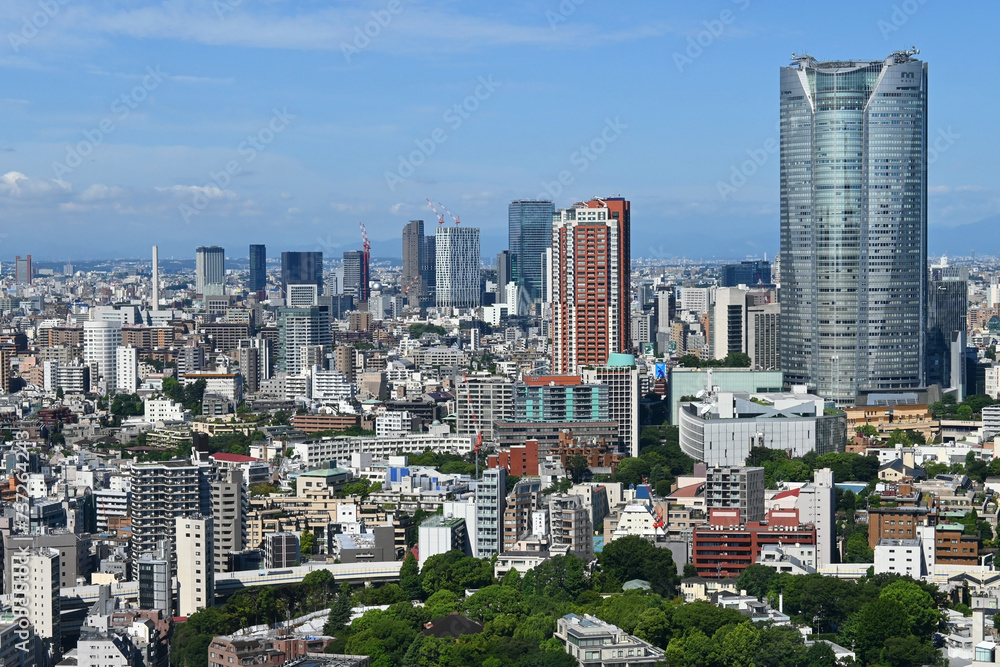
(853, 213)
(209, 269)
(591, 275)
(529, 224)
(457, 267)
(257, 280)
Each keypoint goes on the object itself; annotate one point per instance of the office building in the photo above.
(229, 515)
(529, 236)
(302, 268)
(591, 275)
(763, 336)
(853, 217)
(257, 280)
(947, 307)
(729, 328)
(74, 554)
(101, 340)
(155, 590)
(722, 427)
(356, 275)
(298, 327)
(22, 270)
(418, 263)
(621, 377)
(457, 267)
(194, 540)
(161, 492)
(750, 273)
(6, 353)
(248, 358)
(491, 503)
(737, 487)
(505, 276)
(209, 270)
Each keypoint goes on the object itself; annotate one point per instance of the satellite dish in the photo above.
(700, 394)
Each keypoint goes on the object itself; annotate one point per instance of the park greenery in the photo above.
(887, 619)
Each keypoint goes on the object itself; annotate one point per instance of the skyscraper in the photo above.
(947, 305)
(505, 266)
(413, 280)
(529, 236)
(457, 267)
(302, 268)
(258, 268)
(853, 224)
(591, 276)
(22, 270)
(209, 269)
(356, 274)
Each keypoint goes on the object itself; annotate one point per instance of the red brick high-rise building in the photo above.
(591, 278)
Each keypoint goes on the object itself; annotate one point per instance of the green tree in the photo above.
(756, 580)
(632, 557)
(922, 615)
(908, 651)
(409, 577)
(869, 629)
(307, 543)
(738, 644)
(488, 603)
(867, 430)
(631, 471)
(340, 612)
(576, 466)
(856, 550)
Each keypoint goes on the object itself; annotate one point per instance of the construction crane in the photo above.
(658, 523)
(409, 285)
(453, 216)
(365, 262)
(440, 217)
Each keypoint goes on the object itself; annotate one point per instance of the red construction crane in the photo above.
(439, 216)
(453, 216)
(658, 523)
(410, 284)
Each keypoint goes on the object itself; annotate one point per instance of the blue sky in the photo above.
(230, 122)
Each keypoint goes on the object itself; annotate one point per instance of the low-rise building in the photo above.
(595, 643)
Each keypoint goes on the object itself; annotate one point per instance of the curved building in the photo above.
(853, 224)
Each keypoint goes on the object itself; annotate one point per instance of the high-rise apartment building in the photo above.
(621, 377)
(853, 224)
(298, 327)
(229, 516)
(193, 538)
(570, 524)
(161, 492)
(491, 503)
(35, 590)
(127, 370)
(480, 401)
(101, 340)
(729, 328)
(356, 274)
(529, 236)
(457, 267)
(209, 270)
(257, 280)
(737, 487)
(155, 590)
(302, 268)
(22, 270)
(281, 550)
(590, 283)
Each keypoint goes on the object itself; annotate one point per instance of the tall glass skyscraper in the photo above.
(302, 268)
(530, 235)
(853, 224)
(209, 269)
(258, 268)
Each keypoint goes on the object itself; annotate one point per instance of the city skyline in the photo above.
(190, 110)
